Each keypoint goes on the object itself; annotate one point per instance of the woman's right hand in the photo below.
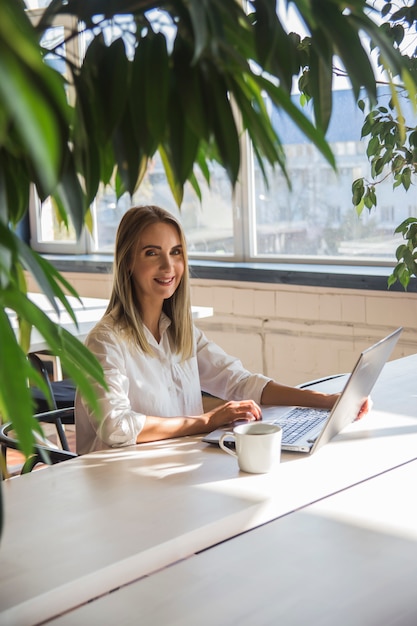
(233, 411)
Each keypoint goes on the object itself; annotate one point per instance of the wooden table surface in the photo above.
(348, 560)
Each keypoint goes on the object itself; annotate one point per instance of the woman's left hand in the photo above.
(365, 408)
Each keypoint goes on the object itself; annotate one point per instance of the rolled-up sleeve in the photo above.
(119, 424)
(223, 375)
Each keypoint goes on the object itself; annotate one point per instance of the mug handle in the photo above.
(224, 447)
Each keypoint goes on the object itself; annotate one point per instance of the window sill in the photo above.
(312, 275)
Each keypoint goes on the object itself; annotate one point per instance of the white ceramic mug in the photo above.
(258, 446)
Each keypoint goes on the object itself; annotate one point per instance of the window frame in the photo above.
(243, 207)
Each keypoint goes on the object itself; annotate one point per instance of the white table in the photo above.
(80, 529)
(348, 560)
(88, 312)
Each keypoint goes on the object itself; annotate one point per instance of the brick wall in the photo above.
(291, 333)
(295, 333)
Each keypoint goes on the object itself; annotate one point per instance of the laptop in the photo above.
(307, 429)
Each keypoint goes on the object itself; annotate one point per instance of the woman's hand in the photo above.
(243, 410)
(157, 428)
(365, 408)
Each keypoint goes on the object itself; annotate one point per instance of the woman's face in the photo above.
(158, 264)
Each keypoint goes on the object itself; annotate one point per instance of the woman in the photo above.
(155, 360)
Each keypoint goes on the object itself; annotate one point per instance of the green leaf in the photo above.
(93, 93)
(372, 196)
(182, 141)
(14, 187)
(397, 163)
(343, 33)
(187, 82)
(194, 184)
(276, 49)
(410, 85)
(8, 254)
(200, 30)
(157, 91)
(202, 163)
(69, 196)
(392, 56)
(403, 227)
(90, 154)
(48, 278)
(368, 200)
(76, 359)
(33, 94)
(256, 120)
(16, 404)
(400, 251)
(177, 190)
(358, 190)
(222, 123)
(112, 84)
(391, 280)
(378, 166)
(367, 127)
(282, 100)
(373, 147)
(321, 78)
(359, 207)
(127, 152)
(412, 231)
(32, 116)
(404, 278)
(139, 115)
(406, 178)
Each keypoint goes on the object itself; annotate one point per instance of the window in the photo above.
(313, 221)
(209, 225)
(47, 234)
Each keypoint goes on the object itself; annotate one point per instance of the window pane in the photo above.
(37, 4)
(47, 230)
(50, 229)
(316, 218)
(208, 225)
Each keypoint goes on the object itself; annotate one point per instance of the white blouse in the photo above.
(161, 385)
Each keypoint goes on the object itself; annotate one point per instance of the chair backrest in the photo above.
(43, 450)
(62, 390)
(38, 364)
(59, 417)
(63, 396)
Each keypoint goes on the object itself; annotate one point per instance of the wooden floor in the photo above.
(15, 459)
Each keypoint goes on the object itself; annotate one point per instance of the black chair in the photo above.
(62, 413)
(44, 451)
(62, 394)
(62, 391)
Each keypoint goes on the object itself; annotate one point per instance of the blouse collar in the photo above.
(164, 324)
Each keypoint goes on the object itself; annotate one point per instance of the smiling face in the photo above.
(158, 264)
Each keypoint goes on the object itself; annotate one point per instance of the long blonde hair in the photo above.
(124, 307)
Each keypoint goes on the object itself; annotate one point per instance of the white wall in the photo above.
(291, 333)
(295, 333)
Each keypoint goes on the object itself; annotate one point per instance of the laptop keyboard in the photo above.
(300, 421)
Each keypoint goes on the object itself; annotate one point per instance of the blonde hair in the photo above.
(124, 307)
